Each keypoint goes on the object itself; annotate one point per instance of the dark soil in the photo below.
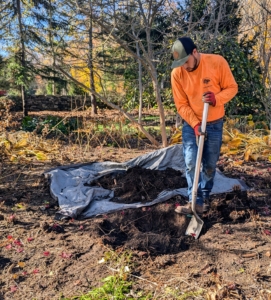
(45, 259)
(141, 185)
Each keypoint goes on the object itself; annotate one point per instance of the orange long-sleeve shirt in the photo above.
(213, 74)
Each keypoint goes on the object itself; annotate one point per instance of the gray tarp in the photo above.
(78, 201)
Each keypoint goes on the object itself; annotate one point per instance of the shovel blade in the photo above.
(194, 227)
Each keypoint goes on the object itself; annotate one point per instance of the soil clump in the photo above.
(141, 185)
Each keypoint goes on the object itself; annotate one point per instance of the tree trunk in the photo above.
(22, 57)
(156, 88)
(139, 85)
(90, 64)
(161, 112)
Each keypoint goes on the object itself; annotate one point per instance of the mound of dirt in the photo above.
(155, 230)
(141, 185)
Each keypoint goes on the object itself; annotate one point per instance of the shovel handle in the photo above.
(199, 157)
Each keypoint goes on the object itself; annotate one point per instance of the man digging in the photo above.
(196, 79)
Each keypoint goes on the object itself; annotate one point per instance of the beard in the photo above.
(196, 64)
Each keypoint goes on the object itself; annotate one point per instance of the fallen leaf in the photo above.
(21, 264)
(11, 218)
(21, 144)
(55, 226)
(77, 282)
(18, 243)
(30, 239)
(13, 288)
(101, 261)
(4, 244)
(46, 253)
(267, 232)
(232, 286)
(21, 206)
(142, 253)
(248, 255)
(9, 237)
(65, 255)
(41, 156)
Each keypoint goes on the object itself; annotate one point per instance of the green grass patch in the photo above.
(114, 287)
(51, 123)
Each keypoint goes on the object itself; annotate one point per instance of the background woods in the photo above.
(118, 52)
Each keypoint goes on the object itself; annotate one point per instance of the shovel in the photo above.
(195, 225)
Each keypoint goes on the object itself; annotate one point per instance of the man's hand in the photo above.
(197, 130)
(209, 97)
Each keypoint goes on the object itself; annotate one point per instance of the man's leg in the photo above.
(210, 157)
(190, 150)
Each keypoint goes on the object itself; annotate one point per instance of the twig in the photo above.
(15, 181)
(144, 188)
(104, 232)
(134, 221)
(143, 279)
(115, 270)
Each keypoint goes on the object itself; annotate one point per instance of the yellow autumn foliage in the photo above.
(235, 143)
(24, 146)
(267, 140)
(247, 154)
(41, 155)
(252, 145)
(176, 138)
(226, 138)
(21, 144)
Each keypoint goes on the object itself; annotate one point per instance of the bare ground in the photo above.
(41, 258)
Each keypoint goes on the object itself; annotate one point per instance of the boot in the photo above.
(187, 209)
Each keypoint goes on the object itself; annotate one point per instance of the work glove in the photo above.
(209, 97)
(197, 130)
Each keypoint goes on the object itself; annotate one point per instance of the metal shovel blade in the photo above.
(194, 227)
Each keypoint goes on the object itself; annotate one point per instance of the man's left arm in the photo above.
(229, 87)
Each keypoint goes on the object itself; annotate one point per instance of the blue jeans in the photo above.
(210, 156)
